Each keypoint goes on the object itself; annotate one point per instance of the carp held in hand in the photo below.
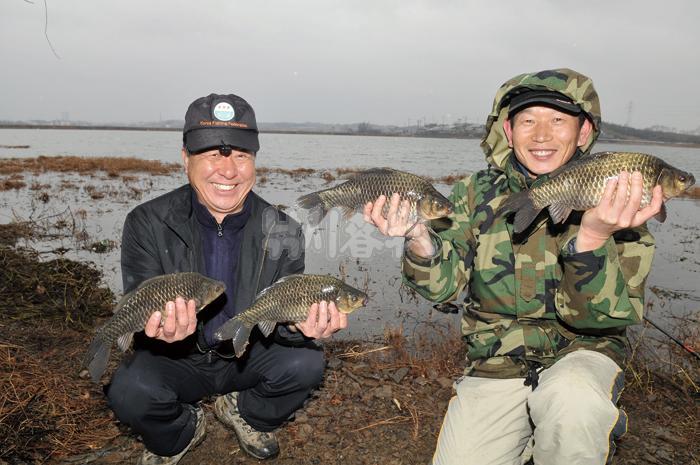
(288, 301)
(136, 307)
(579, 185)
(352, 195)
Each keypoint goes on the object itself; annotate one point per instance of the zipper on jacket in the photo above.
(220, 230)
(262, 261)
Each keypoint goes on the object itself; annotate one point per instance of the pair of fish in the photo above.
(578, 185)
(287, 300)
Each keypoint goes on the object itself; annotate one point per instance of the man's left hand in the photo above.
(616, 212)
(324, 319)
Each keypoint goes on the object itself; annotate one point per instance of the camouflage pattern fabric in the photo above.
(529, 300)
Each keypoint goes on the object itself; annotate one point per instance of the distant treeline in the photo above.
(610, 131)
(613, 131)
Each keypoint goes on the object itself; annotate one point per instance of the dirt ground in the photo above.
(379, 404)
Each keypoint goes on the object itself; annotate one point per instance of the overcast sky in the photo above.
(331, 61)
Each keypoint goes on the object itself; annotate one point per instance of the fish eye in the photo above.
(681, 178)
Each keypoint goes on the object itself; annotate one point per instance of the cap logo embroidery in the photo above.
(223, 111)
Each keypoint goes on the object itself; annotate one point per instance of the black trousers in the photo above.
(148, 391)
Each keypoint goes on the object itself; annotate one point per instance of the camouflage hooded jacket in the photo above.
(531, 300)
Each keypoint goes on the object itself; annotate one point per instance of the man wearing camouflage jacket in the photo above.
(545, 311)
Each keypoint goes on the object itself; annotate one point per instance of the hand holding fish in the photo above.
(615, 212)
(397, 223)
(180, 321)
(323, 321)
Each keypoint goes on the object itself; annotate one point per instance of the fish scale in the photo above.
(288, 300)
(136, 307)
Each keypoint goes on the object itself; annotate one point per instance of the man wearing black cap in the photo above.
(546, 309)
(218, 226)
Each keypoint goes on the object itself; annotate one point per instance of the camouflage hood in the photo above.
(577, 87)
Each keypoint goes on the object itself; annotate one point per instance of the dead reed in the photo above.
(45, 412)
(114, 166)
(60, 290)
(10, 233)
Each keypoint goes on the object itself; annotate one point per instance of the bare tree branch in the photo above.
(46, 28)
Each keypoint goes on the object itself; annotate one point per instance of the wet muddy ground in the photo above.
(388, 380)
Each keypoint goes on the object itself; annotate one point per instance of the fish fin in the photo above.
(123, 301)
(317, 209)
(524, 208)
(236, 330)
(283, 279)
(266, 327)
(347, 211)
(559, 212)
(124, 341)
(661, 216)
(96, 358)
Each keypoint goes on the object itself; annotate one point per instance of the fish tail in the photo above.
(315, 205)
(97, 357)
(524, 208)
(236, 330)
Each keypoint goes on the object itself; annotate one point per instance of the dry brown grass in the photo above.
(47, 413)
(450, 178)
(46, 410)
(11, 232)
(7, 184)
(347, 172)
(61, 290)
(114, 166)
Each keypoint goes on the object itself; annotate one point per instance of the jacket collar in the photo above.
(180, 216)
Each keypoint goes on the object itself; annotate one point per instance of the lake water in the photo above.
(350, 248)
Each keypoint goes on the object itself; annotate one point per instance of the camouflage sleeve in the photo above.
(443, 276)
(604, 288)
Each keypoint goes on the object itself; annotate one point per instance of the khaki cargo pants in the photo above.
(571, 418)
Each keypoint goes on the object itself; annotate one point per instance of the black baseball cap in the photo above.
(217, 120)
(547, 98)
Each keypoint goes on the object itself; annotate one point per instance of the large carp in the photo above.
(579, 185)
(288, 300)
(352, 195)
(136, 307)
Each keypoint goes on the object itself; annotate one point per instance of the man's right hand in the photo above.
(396, 224)
(180, 321)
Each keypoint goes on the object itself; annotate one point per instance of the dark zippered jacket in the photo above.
(161, 236)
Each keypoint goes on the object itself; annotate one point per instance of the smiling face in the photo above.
(221, 182)
(544, 139)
